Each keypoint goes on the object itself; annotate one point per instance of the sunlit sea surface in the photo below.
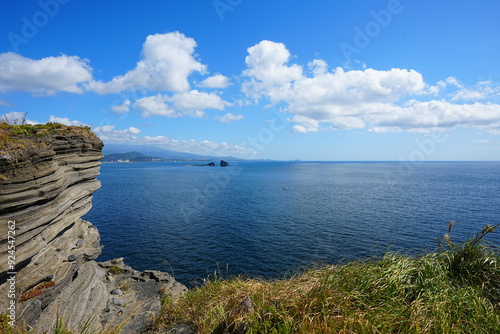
(270, 219)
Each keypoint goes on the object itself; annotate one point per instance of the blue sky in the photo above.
(317, 80)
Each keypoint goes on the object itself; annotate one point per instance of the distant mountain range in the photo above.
(146, 153)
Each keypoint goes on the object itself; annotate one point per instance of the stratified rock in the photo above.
(224, 163)
(45, 189)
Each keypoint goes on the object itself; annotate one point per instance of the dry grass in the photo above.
(455, 290)
(36, 291)
(18, 139)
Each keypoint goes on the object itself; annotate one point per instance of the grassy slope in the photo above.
(455, 290)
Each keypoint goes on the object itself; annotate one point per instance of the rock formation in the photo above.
(47, 177)
(224, 163)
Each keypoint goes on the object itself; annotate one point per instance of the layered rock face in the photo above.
(44, 192)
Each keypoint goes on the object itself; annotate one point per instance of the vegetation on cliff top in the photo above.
(16, 139)
(453, 290)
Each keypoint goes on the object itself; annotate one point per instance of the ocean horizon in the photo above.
(270, 219)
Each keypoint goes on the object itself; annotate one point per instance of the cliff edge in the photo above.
(47, 176)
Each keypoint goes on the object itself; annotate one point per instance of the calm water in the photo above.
(241, 219)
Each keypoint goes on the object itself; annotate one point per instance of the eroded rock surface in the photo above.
(45, 191)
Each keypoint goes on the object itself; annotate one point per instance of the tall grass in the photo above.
(453, 290)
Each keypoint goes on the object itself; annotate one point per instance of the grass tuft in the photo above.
(453, 290)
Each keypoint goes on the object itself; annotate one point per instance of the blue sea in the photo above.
(272, 219)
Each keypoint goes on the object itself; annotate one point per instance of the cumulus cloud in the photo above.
(155, 106)
(65, 121)
(192, 103)
(45, 76)
(267, 67)
(229, 117)
(166, 62)
(108, 133)
(437, 115)
(122, 108)
(375, 100)
(216, 81)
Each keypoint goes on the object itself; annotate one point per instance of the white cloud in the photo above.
(481, 141)
(5, 103)
(305, 124)
(379, 101)
(17, 117)
(435, 115)
(267, 67)
(192, 103)
(318, 67)
(45, 76)
(122, 108)
(65, 121)
(155, 106)
(481, 91)
(204, 147)
(228, 118)
(450, 81)
(216, 81)
(109, 134)
(166, 62)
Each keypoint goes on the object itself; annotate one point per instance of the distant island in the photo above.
(212, 164)
(131, 157)
(114, 153)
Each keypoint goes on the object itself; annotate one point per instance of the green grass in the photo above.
(454, 290)
(18, 139)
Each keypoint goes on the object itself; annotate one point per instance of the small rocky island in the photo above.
(47, 176)
(212, 164)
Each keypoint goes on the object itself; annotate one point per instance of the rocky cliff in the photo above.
(47, 177)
